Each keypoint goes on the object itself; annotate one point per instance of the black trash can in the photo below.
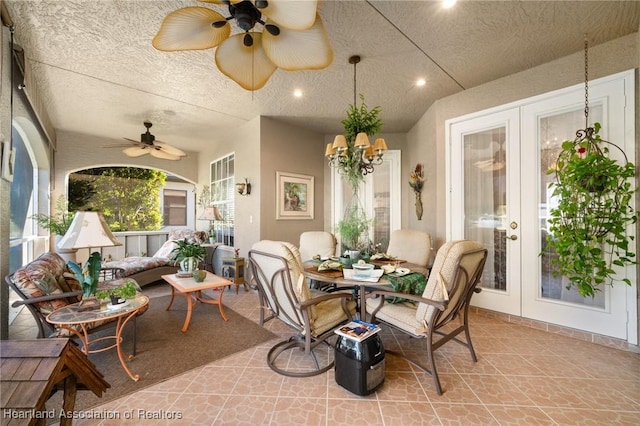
(359, 366)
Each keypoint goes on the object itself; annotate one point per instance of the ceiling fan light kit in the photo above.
(295, 38)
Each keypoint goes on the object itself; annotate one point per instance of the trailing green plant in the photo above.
(353, 227)
(87, 274)
(358, 120)
(125, 291)
(59, 222)
(186, 249)
(588, 227)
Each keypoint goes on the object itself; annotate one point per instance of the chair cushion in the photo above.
(443, 271)
(401, 315)
(166, 250)
(134, 264)
(42, 277)
(191, 235)
(317, 243)
(411, 245)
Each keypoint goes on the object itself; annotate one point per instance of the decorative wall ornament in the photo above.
(416, 182)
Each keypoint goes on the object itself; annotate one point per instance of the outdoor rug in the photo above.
(164, 351)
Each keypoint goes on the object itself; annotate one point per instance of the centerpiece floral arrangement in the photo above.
(416, 182)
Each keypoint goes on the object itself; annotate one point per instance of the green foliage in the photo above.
(358, 120)
(125, 291)
(186, 249)
(588, 228)
(88, 274)
(128, 197)
(80, 193)
(353, 227)
(59, 222)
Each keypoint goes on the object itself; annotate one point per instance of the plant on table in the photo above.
(189, 254)
(126, 291)
(87, 274)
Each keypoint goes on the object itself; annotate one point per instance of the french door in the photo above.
(499, 195)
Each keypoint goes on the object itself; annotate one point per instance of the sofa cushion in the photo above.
(43, 277)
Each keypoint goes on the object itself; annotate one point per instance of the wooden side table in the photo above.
(233, 269)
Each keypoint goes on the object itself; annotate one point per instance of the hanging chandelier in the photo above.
(356, 155)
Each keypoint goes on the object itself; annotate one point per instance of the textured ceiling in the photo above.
(100, 74)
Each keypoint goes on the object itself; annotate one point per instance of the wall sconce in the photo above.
(243, 188)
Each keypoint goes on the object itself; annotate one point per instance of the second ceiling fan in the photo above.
(149, 145)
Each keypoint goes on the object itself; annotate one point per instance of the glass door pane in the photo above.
(485, 167)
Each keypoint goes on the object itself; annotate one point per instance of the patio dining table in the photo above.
(337, 278)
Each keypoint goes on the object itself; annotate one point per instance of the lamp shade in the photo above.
(330, 150)
(88, 229)
(340, 142)
(380, 145)
(362, 140)
(211, 213)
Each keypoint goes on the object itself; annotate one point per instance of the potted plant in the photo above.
(189, 254)
(588, 227)
(87, 274)
(119, 294)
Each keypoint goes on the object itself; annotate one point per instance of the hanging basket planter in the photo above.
(588, 226)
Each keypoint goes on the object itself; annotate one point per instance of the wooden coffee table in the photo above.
(193, 291)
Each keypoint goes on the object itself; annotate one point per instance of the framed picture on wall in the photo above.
(8, 161)
(294, 196)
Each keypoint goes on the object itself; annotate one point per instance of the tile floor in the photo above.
(523, 376)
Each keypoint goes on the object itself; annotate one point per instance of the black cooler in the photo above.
(359, 365)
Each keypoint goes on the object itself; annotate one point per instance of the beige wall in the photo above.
(291, 149)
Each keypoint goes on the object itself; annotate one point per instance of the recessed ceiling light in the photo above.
(297, 93)
(448, 4)
(421, 82)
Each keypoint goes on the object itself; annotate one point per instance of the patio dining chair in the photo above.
(442, 310)
(277, 273)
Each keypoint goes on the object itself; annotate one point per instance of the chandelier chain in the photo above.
(586, 81)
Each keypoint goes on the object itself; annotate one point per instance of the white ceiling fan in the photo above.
(149, 145)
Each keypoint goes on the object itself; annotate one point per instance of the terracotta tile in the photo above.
(408, 413)
(198, 409)
(305, 387)
(247, 410)
(463, 414)
(454, 389)
(300, 411)
(513, 365)
(511, 415)
(590, 417)
(399, 386)
(353, 412)
(495, 389)
(258, 381)
(216, 380)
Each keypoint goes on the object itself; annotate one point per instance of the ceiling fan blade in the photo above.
(172, 150)
(132, 141)
(299, 50)
(158, 153)
(247, 66)
(191, 28)
(295, 15)
(213, 1)
(136, 151)
(117, 145)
